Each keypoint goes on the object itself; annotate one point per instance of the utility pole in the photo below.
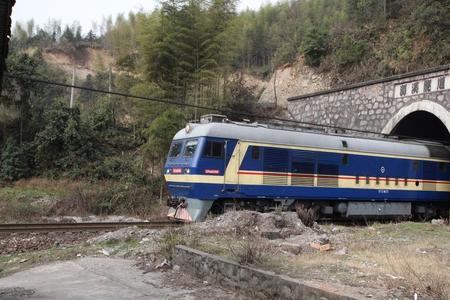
(274, 83)
(72, 90)
(112, 102)
(109, 82)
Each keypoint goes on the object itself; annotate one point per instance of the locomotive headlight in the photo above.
(188, 171)
(188, 128)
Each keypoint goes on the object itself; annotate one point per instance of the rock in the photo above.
(144, 240)
(106, 252)
(291, 248)
(421, 251)
(205, 282)
(438, 222)
(335, 230)
(342, 251)
(163, 265)
(176, 268)
(322, 240)
(79, 255)
(316, 226)
(271, 235)
(320, 247)
(279, 221)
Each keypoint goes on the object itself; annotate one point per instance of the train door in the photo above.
(232, 163)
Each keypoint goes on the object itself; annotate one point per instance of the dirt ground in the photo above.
(382, 260)
(106, 278)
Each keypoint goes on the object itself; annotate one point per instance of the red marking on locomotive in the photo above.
(177, 171)
(212, 172)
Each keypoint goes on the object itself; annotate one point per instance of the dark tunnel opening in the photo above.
(422, 125)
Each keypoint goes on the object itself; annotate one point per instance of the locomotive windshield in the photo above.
(190, 148)
(175, 149)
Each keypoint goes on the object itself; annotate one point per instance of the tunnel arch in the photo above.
(422, 119)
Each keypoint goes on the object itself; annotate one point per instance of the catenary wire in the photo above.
(223, 111)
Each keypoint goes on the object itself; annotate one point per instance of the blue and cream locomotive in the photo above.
(218, 164)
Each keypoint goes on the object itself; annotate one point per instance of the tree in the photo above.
(240, 98)
(91, 37)
(78, 37)
(68, 35)
(315, 45)
(65, 141)
(160, 134)
(15, 162)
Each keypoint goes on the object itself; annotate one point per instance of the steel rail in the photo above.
(77, 227)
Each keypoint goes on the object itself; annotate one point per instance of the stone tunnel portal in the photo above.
(422, 125)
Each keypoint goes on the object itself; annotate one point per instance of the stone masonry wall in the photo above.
(371, 105)
(259, 283)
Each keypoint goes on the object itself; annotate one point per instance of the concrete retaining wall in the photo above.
(262, 284)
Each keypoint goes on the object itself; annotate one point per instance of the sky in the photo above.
(88, 11)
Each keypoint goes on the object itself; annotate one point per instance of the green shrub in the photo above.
(350, 51)
(432, 18)
(16, 162)
(315, 46)
(168, 242)
(65, 141)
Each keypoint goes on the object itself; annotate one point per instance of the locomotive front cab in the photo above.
(194, 174)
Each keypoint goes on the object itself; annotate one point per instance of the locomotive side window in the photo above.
(357, 179)
(367, 179)
(214, 149)
(255, 152)
(406, 182)
(396, 181)
(175, 150)
(190, 148)
(377, 180)
(387, 180)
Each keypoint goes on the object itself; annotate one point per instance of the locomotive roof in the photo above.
(264, 134)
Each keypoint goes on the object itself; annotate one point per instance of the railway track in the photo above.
(78, 227)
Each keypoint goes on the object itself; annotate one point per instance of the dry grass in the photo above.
(426, 274)
(37, 197)
(60, 186)
(414, 256)
(306, 215)
(251, 249)
(402, 257)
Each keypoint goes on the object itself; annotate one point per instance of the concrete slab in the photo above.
(98, 278)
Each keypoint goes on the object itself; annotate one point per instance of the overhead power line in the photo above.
(220, 110)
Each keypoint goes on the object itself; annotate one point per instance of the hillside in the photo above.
(87, 61)
(192, 52)
(290, 80)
